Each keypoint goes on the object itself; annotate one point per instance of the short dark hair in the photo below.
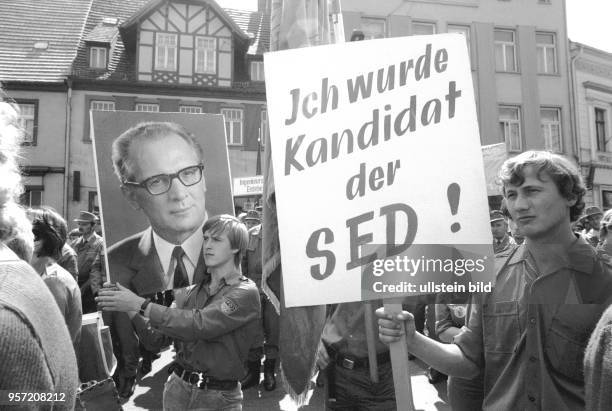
(563, 172)
(152, 130)
(237, 233)
(50, 228)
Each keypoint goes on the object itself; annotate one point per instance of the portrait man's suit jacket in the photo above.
(134, 263)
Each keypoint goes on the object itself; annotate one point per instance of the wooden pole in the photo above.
(370, 338)
(399, 362)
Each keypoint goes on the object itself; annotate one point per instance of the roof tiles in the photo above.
(67, 26)
(59, 23)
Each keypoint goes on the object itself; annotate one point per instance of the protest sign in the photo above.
(119, 218)
(376, 154)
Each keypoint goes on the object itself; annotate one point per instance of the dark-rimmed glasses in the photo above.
(161, 183)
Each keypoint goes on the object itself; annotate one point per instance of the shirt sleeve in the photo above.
(152, 340)
(470, 339)
(236, 308)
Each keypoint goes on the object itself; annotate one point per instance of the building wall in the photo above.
(491, 88)
(593, 88)
(242, 158)
(48, 151)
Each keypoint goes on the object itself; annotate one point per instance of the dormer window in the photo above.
(165, 51)
(257, 71)
(98, 57)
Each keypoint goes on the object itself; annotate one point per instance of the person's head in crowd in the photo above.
(577, 226)
(252, 219)
(242, 216)
(160, 168)
(605, 232)
(592, 218)
(86, 222)
(14, 223)
(49, 229)
(74, 235)
(225, 241)
(543, 192)
(499, 227)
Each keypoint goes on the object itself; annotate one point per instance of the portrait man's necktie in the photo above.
(180, 273)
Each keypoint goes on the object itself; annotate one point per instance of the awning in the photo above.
(493, 157)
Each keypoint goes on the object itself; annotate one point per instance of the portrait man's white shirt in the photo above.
(192, 248)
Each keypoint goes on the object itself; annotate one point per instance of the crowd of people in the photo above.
(539, 340)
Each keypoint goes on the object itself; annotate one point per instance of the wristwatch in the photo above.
(144, 306)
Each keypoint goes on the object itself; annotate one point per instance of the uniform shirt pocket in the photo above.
(502, 329)
(568, 336)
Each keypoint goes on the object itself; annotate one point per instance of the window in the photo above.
(263, 127)
(190, 109)
(233, 125)
(600, 129)
(257, 71)
(505, 50)
(165, 51)
(102, 105)
(510, 126)
(550, 125)
(373, 28)
(28, 121)
(547, 55)
(32, 196)
(419, 29)
(93, 206)
(147, 107)
(97, 57)
(464, 30)
(206, 55)
(606, 199)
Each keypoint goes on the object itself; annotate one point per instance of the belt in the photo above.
(201, 380)
(351, 362)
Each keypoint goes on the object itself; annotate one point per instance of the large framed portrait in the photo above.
(119, 218)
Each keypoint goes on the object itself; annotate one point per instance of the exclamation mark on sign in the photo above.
(453, 193)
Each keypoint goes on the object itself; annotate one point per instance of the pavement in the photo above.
(148, 392)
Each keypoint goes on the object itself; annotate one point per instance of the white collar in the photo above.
(192, 247)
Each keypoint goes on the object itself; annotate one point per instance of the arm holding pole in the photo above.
(396, 326)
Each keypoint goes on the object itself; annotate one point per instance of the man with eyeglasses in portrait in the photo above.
(160, 169)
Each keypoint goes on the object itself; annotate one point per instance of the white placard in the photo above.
(365, 135)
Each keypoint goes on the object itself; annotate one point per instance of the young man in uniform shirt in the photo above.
(532, 329)
(212, 323)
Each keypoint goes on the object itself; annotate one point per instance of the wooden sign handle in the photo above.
(399, 362)
(370, 326)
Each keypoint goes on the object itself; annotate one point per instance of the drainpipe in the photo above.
(573, 102)
(67, 148)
